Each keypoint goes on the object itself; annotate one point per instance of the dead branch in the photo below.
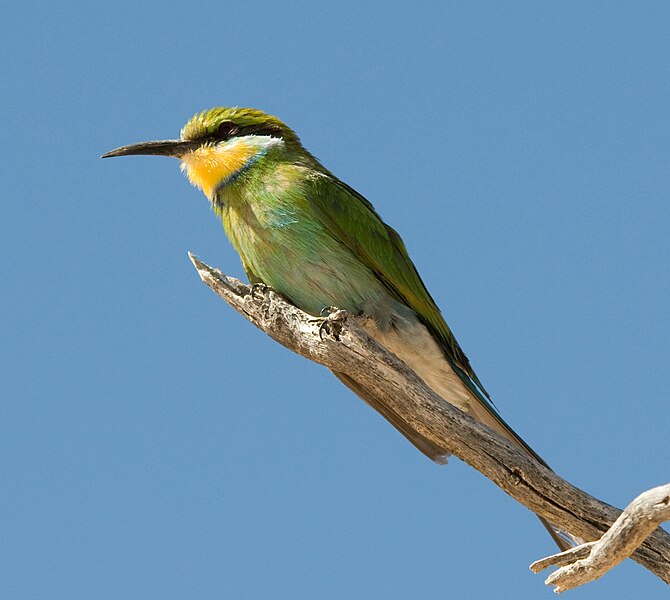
(592, 560)
(339, 344)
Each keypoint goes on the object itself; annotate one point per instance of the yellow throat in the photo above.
(209, 166)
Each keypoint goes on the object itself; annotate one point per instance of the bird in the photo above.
(312, 238)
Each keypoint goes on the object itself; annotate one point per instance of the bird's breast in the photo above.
(292, 252)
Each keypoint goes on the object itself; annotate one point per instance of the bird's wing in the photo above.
(352, 220)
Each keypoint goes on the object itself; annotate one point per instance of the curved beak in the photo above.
(174, 148)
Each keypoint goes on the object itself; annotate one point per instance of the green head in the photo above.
(218, 144)
(223, 122)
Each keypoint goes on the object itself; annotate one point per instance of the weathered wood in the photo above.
(592, 560)
(339, 344)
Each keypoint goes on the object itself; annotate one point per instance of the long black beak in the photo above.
(174, 148)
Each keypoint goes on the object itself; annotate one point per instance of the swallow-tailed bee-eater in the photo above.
(309, 236)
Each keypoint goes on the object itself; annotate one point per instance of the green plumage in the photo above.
(311, 237)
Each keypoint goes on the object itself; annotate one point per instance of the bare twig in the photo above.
(339, 344)
(592, 560)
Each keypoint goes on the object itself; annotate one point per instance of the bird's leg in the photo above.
(328, 311)
(324, 314)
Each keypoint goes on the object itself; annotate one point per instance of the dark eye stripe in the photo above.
(228, 130)
(262, 129)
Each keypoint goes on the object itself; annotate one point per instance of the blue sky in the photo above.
(155, 445)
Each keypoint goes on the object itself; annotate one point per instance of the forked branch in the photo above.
(589, 561)
(338, 343)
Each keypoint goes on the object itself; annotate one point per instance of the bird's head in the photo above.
(218, 144)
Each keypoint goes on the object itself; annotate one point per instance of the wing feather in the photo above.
(354, 221)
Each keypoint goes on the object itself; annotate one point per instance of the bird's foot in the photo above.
(328, 311)
(331, 321)
(257, 288)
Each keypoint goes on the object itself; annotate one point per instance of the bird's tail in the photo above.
(483, 410)
(430, 449)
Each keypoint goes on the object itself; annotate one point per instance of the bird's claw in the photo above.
(255, 288)
(327, 311)
(331, 321)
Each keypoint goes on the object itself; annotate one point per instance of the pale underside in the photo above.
(417, 348)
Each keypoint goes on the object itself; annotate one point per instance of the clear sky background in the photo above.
(153, 444)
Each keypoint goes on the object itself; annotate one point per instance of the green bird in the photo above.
(319, 243)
